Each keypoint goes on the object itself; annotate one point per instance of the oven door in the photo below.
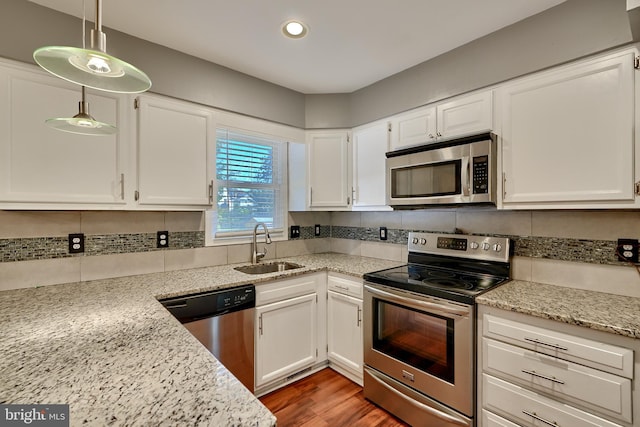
(423, 342)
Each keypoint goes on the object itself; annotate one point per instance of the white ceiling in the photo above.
(351, 43)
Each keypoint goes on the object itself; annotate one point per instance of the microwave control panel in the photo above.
(481, 175)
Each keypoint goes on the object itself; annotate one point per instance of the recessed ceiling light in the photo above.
(294, 29)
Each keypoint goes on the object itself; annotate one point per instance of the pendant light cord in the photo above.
(84, 24)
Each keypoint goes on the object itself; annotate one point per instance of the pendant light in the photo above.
(82, 122)
(93, 67)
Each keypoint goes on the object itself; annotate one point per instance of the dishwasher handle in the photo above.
(211, 304)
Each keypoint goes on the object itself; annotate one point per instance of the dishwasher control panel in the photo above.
(234, 298)
(209, 304)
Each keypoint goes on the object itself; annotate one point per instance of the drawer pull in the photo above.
(537, 341)
(544, 377)
(536, 417)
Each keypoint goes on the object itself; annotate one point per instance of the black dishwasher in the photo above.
(223, 321)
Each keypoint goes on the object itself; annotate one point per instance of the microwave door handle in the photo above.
(465, 178)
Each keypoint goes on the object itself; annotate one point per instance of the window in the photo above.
(250, 185)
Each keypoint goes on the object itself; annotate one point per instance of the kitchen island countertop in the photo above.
(112, 352)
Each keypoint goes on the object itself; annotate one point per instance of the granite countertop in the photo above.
(112, 352)
(616, 314)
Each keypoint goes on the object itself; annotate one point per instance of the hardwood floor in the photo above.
(325, 399)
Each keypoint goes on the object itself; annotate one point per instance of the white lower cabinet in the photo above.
(344, 326)
(287, 330)
(536, 372)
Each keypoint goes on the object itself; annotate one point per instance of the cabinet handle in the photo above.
(359, 317)
(536, 417)
(211, 192)
(136, 195)
(311, 195)
(439, 133)
(122, 186)
(260, 324)
(431, 136)
(537, 341)
(545, 377)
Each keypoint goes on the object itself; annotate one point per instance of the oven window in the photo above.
(421, 340)
(437, 179)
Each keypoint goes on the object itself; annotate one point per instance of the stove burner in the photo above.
(402, 275)
(439, 274)
(454, 284)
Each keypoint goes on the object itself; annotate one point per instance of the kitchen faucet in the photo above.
(255, 255)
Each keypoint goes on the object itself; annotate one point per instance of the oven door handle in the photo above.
(419, 303)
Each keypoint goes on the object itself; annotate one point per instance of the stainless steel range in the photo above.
(419, 327)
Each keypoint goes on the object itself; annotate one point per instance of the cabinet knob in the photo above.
(431, 136)
(439, 133)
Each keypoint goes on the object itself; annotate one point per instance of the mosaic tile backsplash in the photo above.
(25, 249)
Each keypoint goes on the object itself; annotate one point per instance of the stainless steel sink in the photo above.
(270, 267)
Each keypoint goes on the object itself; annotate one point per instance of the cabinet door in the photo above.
(175, 152)
(329, 172)
(414, 128)
(39, 164)
(344, 331)
(567, 135)
(370, 143)
(285, 338)
(465, 115)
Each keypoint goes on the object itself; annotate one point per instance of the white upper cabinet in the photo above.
(460, 116)
(414, 128)
(329, 157)
(465, 115)
(370, 143)
(43, 168)
(567, 136)
(176, 143)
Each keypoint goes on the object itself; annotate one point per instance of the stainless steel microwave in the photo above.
(458, 171)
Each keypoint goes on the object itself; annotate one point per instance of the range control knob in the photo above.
(414, 241)
(423, 242)
(474, 245)
(485, 246)
(497, 247)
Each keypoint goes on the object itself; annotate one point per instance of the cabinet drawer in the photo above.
(530, 409)
(605, 357)
(283, 289)
(609, 393)
(489, 419)
(345, 286)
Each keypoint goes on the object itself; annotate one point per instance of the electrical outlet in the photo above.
(383, 233)
(316, 230)
(76, 243)
(627, 250)
(163, 239)
(295, 231)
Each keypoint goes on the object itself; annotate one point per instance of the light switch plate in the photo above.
(383, 233)
(295, 231)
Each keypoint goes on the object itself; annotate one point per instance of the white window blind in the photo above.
(249, 175)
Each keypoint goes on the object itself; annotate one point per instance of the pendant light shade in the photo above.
(93, 67)
(82, 123)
